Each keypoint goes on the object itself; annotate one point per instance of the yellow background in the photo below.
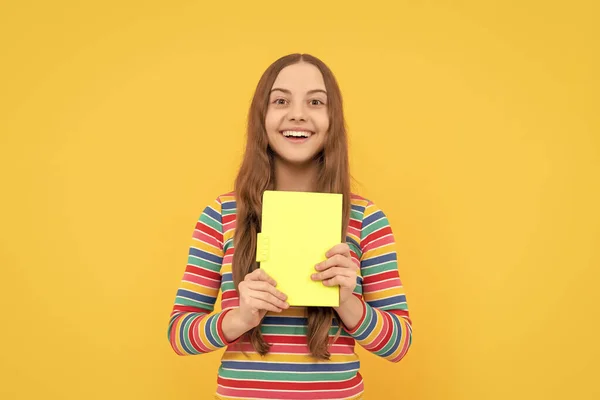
(474, 126)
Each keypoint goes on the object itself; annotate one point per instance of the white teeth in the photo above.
(303, 134)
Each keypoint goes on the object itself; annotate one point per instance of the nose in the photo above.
(297, 112)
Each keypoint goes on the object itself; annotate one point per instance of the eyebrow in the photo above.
(309, 92)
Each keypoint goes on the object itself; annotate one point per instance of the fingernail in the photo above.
(313, 276)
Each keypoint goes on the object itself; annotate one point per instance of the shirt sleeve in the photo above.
(385, 327)
(194, 326)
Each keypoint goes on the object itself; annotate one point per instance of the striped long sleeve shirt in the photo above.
(289, 371)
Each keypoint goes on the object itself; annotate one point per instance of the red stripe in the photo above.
(301, 339)
(193, 309)
(209, 231)
(203, 272)
(267, 385)
(387, 320)
(376, 235)
(353, 223)
(370, 279)
(228, 218)
(230, 294)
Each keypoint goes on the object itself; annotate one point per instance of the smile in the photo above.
(297, 134)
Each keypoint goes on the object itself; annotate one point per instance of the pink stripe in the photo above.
(354, 231)
(379, 242)
(203, 237)
(196, 333)
(230, 303)
(229, 226)
(273, 394)
(201, 280)
(385, 333)
(371, 287)
(336, 349)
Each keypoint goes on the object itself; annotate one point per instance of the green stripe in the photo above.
(375, 269)
(299, 330)
(225, 286)
(367, 230)
(392, 340)
(186, 330)
(189, 302)
(287, 376)
(204, 218)
(213, 330)
(397, 306)
(355, 215)
(201, 262)
(365, 323)
(228, 212)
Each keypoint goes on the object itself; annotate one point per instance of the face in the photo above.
(297, 119)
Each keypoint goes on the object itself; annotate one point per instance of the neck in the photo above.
(295, 178)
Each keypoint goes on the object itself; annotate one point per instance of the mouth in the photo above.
(297, 136)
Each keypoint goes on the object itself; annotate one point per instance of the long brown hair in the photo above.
(256, 175)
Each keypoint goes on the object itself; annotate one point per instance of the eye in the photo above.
(316, 102)
(280, 101)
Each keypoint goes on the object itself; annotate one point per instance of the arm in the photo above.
(383, 327)
(194, 326)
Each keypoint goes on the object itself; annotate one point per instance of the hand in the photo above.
(257, 296)
(338, 269)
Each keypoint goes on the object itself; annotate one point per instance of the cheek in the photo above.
(272, 121)
(323, 122)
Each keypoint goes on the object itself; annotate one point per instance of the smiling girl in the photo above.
(296, 141)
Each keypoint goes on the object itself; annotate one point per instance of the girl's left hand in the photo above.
(338, 269)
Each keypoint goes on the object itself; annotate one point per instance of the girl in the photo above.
(296, 142)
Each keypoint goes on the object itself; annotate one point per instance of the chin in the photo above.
(297, 160)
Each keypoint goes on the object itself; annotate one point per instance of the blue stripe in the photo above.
(352, 241)
(282, 367)
(389, 301)
(358, 208)
(207, 332)
(195, 296)
(228, 205)
(227, 277)
(370, 328)
(284, 321)
(398, 337)
(183, 330)
(206, 256)
(377, 215)
(213, 214)
(379, 259)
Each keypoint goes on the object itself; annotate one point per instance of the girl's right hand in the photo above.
(258, 296)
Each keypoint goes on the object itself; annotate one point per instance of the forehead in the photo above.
(300, 77)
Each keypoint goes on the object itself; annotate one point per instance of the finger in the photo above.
(341, 281)
(269, 298)
(266, 287)
(337, 260)
(341, 248)
(331, 272)
(260, 275)
(264, 305)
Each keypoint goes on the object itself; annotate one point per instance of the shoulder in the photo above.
(220, 206)
(363, 206)
(367, 215)
(226, 201)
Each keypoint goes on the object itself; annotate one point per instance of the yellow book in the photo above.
(297, 229)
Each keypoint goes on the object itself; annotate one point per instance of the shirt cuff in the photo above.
(220, 329)
(362, 318)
